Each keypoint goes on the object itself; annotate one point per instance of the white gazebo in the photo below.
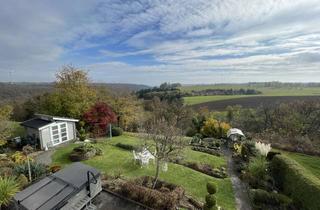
(235, 134)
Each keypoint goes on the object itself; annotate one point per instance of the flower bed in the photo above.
(206, 150)
(163, 196)
(205, 168)
(84, 152)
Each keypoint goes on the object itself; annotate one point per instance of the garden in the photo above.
(118, 162)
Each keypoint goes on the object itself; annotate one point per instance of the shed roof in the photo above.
(41, 120)
(36, 123)
(53, 192)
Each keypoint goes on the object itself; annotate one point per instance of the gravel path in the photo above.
(45, 157)
(240, 188)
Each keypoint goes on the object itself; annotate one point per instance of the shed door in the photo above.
(59, 133)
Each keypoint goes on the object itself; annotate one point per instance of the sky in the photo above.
(155, 41)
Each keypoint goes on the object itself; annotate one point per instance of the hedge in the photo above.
(296, 182)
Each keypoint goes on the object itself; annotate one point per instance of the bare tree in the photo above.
(166, 138)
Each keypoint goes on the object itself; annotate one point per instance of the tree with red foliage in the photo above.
(98, 118)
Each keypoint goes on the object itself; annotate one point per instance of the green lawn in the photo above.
(115, 160)
(266, 91)
(311, 163)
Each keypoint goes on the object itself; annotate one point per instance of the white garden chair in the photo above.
(135, 157)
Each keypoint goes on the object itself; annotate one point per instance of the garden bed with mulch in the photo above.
(164, 196)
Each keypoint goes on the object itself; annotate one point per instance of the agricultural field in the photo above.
(266, 91)
(252, 101)
(118, 161)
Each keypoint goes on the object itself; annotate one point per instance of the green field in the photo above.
(266, 91)
(116, 160)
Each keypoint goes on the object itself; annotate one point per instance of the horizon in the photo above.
(148, 42)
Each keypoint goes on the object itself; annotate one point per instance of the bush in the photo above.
(37, 170)
(248, 150)
(82, 134)
(211, 200)
(23, 181)
(206, 150)
(116, 131)
(271, 154)
(296, 182)
(6, 171)
(211, 187)
(263, 198)
(128, 147)
(5, 161)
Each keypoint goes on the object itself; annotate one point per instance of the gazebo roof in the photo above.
(234, 131)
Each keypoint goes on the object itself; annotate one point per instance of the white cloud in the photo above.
(183, 40)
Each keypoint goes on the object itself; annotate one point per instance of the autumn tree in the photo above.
(99, 117)
(73, 93)
(165, 136)
(6, 127)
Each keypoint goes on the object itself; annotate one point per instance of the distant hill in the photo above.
(23, 91)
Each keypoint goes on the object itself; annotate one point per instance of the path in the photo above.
(45, 157)
(239, 187)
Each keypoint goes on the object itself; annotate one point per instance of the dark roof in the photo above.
(35, 123)
(54, 191)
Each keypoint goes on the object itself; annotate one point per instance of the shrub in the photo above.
(214, 128)
(211, 200)
(211, 187)
(116, 131)
(196, 139)
(22, 180)
(128, 147)
(248, 150)
(296, 182)
(6, 171)
(271, 154)
(8, 188)
(37, 170)
(261, 197)
(258, 167)
(82, 134)
(18, 157)
(206, 150)
(5, 161)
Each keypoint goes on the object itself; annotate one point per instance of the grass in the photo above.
(116, 160)
(192, 100)
(311, 163)
(266, 91)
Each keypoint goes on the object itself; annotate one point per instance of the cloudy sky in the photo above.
(152, 41)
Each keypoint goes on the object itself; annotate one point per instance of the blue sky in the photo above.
(153, 41)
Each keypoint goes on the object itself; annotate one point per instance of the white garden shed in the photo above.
(50, 131)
